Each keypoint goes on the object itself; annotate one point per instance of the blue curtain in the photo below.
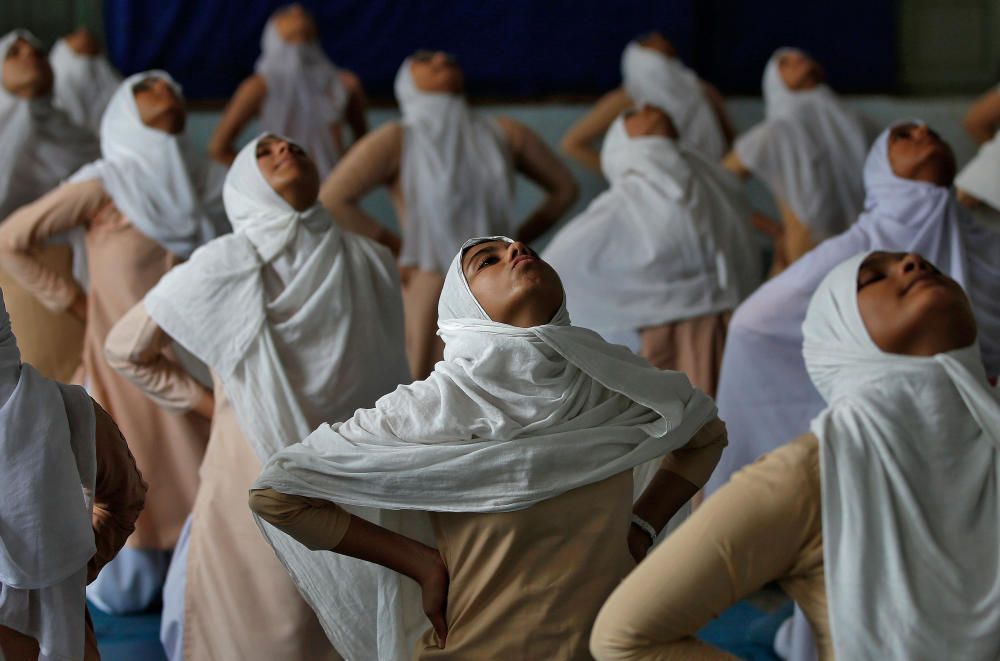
(509, 49)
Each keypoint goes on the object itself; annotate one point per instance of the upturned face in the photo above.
(917, 152)
(295, 25)
(799, 71)
(159, 106)
(512, 283)
(288, 169)
(26, 71)
(656, 41)
(436, 71)
(909, 307)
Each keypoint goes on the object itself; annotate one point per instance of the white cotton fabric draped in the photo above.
(981, 176)
(910, 487)
(456, 175)
(160, 182)
(84, 84)
(670, 240)
(765, 395)
(305, 97)
(48, 468)
(650, 77)
(301, 321)
(41, 145)
(511, 417)
(809, 151)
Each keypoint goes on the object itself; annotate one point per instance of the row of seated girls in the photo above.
(442, 437)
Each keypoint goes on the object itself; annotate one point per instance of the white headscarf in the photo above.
(809, 151)
(511, 417)
(84, 84)
(765, 395)
(289, 311)
(305, 97)
(910, 486)
(981, 176)
(456, 177)
(40, 144)
(669, 241)
(48, 468)
(159, 181)
(651, 77)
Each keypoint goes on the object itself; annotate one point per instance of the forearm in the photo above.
(546, 215)
(584, 154)
(351, 217)
(663, 498)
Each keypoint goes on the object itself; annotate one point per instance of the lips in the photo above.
(523, 258)
(923, 277)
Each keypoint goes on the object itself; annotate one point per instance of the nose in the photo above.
(913, 261)
(516, 249)
(440, 58)
(921, 131)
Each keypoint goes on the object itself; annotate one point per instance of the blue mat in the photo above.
(744, 630)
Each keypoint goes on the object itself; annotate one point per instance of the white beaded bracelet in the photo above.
(645, 526)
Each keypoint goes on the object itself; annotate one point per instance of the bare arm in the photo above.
(732, 162)
(534, 159)
(135, 348)
(357, 105)
(682, 473)
(983, 118)
(719, 108)
(119, 492)
(372, 162)
(322, 525)
(579, 142)
(243, 107)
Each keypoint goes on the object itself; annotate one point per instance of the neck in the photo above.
(528, 316)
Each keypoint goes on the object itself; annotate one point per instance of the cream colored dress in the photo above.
(239, 602)
(123, 264)
(524, 584)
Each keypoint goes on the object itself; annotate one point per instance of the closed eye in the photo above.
(865, 279)
(487, 261)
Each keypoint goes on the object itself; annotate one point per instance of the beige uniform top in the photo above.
(239, 602)
(764, 525)
(123, 264)
(524, 584)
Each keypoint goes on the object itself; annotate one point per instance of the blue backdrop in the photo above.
(510, 49)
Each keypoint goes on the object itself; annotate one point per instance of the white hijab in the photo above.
(765, 395)
(159, 181)
(910, 487)
(511, 417)
(305, 97)
(48, 469)
(41, 145)
(669, 241)
(981, 176)
(456, 176)
(84, 84)
(809, 151)
(650, 77)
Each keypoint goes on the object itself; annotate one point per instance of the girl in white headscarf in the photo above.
(84, 79)
(882, 521)
(295, 91)
(450, 174)
(653, 74)
(147, 203)
(809, 151)
(71, 494)
(500, 483)
(41, 147)
(659, 261)
(764, 391)
(300, 322)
